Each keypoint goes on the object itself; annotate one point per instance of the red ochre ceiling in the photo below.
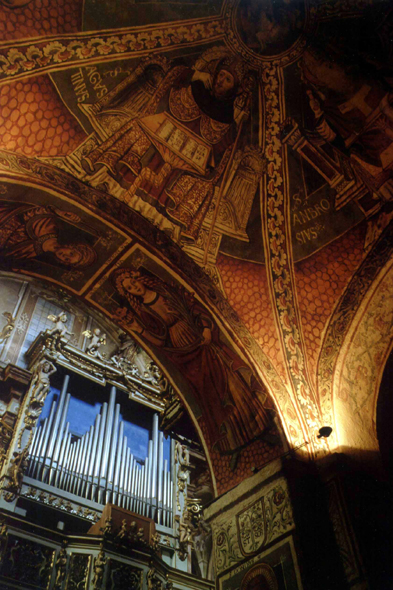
(34, 120)
(39, 18)
(283, 326)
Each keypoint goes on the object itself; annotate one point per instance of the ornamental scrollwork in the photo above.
(258, 524)
(12, 481)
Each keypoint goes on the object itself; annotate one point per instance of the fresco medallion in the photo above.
(270, 28)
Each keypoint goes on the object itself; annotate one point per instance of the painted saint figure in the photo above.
(235, 407)
(352, 111)
(28, 231)
(175, 152)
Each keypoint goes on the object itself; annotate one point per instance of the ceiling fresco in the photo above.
(231, 157)
(118, 14)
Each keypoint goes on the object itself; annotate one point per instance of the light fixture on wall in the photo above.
(325, 432)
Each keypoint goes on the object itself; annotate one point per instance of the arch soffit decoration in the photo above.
(360, 367)
(356, 346)
(29, 182)
(219, 28)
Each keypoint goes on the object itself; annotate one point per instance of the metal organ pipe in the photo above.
(160, 467)
(100, 443)
(118, 461)
(145, 469)
(123, 475)
(59, 414)
(90, 466)
(108, 432)
(155, 454)
(56, 470)
(36, 445)
(61, 427)
(81, 460)
(69, 463)
(61, 471)
(149, 467)
(132, 488)
(74, 468)
(34, 440)
(59, 437)
(164, 493)
(128, 480)
(112, 451)
(139, 493)
(85, 464)
(42, 449)
(99, 465)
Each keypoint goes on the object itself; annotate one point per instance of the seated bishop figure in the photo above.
(174, 153)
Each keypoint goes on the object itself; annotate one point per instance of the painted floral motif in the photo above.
(342, 318)
(279, 248)
(28, 58)
(245, 533)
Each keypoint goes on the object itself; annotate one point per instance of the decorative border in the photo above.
(42, 497)
(278, 251)
(260, 558)
(27, 58)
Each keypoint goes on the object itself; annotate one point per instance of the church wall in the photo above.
(287, 528)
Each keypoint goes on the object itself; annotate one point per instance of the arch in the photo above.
(351, 302)
(43, 218)
(359, 370)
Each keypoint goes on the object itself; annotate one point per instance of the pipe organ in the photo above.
(99, 465)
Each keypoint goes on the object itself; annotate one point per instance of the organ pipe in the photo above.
(63, 442)
(57, 419)
(99, 465)
(61, 470)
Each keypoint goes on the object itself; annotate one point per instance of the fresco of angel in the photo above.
(172, 320)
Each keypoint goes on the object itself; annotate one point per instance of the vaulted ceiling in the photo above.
(232, 160)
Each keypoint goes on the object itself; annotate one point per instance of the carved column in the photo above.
(31, 398)
(14, 383)
(182, 524)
